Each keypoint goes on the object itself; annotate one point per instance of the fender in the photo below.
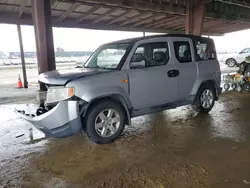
(201, 80)
(209, 82)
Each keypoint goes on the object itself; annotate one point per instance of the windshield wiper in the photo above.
(105, 68)
(79, 66)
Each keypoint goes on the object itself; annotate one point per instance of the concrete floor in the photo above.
(175, 148)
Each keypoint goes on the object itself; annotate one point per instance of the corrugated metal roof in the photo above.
(143, 15)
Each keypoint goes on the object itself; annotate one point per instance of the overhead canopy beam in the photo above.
(121, 16)
(88, 13)
(71, 23)
(225, 26)
(173, 23)
(105, 15)
(135, 18)
(182, 26)
(144, 6)
(54, 3)
(236, 27)
(138, 5)
(219, 25)
(147, 20)
(69, 11)
(210, 23)
(21, 9)
(162, 21)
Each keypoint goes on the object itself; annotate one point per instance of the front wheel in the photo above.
(205, 99)
(105, 122)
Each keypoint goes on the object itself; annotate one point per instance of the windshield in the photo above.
(107, 57)
(246, 50)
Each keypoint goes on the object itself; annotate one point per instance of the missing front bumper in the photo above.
(61, 121)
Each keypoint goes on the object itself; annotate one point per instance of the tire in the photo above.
(231, 62)
(226, 86)
(234, 86)
(247, 87)
(98, 114)
(198, 105)
(239, 88)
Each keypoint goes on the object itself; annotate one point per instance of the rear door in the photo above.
(206, 60)
(183, 53)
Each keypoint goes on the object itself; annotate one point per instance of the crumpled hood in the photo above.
(62, 77)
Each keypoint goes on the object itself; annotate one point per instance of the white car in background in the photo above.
(234, 59)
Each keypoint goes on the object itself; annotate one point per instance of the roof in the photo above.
(133, 40)
(132, 15)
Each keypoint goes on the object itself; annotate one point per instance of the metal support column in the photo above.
(25, 83)
(195, 12)
(41, 14)
(144, 34)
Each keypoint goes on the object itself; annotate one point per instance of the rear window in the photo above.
(182, 51)
(204, 49)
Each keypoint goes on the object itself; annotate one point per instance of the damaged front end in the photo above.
(55, 118)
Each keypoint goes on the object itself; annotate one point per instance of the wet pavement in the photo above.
(175, 148)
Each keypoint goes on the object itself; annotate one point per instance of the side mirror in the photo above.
(138, 65)
(137, 61)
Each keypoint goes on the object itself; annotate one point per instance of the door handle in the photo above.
(173, 73)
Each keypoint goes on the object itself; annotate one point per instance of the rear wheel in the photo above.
(105, 122)
(231, 62)
(205, 99)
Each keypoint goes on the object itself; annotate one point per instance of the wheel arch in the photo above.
(117, 98)
(207, 82)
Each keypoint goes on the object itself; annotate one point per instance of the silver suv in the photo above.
(125, 79)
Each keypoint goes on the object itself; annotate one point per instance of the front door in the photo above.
(152, 76)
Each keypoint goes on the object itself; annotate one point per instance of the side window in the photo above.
(183, 52)
(205, 50)
(150, 55)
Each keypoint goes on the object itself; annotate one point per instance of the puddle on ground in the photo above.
(15, 134)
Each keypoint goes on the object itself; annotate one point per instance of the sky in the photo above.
(71, 39)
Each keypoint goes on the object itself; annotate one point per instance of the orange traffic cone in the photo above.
(19, 82)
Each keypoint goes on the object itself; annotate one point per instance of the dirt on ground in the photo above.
(177, 148)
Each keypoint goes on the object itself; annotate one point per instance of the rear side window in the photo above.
(204, 49)
(182, 52)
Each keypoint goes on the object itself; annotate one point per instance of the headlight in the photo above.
(59, 94)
